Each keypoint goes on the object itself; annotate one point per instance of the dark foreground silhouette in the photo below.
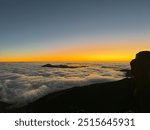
(127, 95)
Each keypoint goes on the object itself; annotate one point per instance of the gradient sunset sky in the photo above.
(73, 30)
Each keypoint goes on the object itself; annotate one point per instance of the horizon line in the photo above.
(64, 61)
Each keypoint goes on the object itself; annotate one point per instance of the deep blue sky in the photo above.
(34, 25)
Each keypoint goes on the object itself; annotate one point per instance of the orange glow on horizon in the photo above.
(67, 58)
(89, 52)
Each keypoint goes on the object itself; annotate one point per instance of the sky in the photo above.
(73, 30)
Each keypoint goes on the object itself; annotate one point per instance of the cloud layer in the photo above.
(22, 83)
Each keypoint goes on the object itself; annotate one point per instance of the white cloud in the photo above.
(25, 82)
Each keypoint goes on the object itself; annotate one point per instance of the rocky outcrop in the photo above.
(140, 67)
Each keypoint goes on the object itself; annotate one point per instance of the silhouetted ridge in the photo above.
(61, 66)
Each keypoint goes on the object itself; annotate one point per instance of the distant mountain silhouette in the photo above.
(61, 66)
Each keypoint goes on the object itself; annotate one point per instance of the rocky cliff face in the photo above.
(140, 67)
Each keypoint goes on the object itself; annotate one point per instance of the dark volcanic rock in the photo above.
(61, 66)
(140, 67)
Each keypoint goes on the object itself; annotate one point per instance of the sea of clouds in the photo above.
(22, 83)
